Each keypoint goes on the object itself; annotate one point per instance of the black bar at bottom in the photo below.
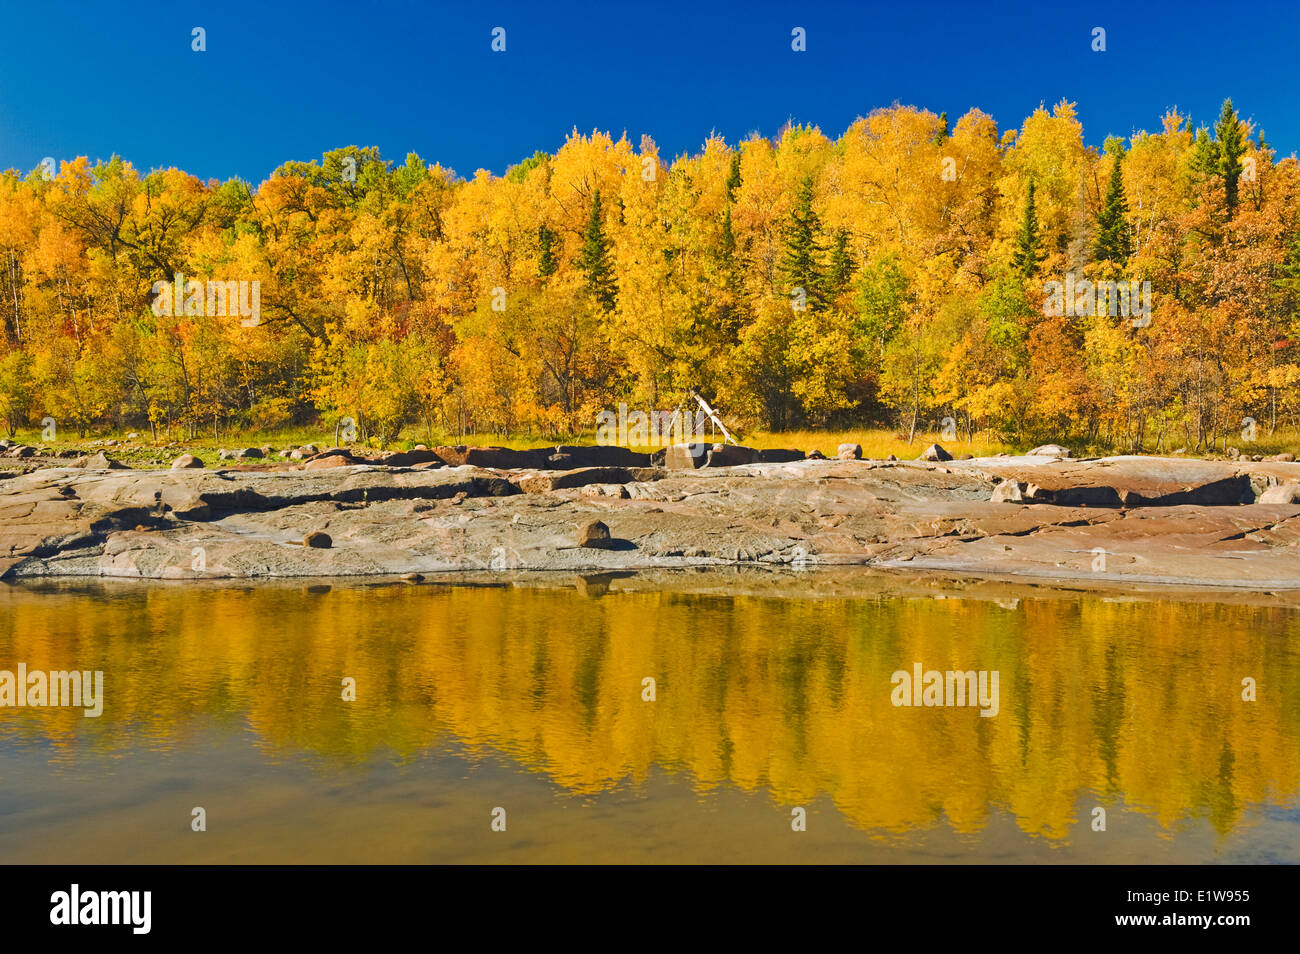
(1225, 904)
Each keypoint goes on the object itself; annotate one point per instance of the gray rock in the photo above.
(779, 455)
(600, 455)
(594, 534)
(849, 452)
(186, 461)
(605, 490)
(730, 455)
(935, 452)
(1050, 450)
(686, 456)
(98, 461)
(1008, 491)
(1285, 493)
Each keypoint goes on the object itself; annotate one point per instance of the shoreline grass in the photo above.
(142, 451)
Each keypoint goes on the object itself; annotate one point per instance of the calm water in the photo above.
(530, 698)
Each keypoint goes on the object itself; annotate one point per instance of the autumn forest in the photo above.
(891, 277)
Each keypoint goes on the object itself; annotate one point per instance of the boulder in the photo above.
(730, 455)
(249, 453)
(605, 490)
(1008, 491)
(1281, 458)
(543, 482)
(814, 454)
(98, 461)
(20, 451)
(779, 455)
(1285, 493)
(318, 540)
(499, 458)
(1129, 481)
(849, 452)
(1050, 450)
(935, 452)
(593, 534)
(328, 460)
(412, 457)
(601, 455)
(186, 461)
(686, 456)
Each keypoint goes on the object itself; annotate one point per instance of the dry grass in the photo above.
(876, 442)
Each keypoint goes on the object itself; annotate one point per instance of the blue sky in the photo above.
(289, 80)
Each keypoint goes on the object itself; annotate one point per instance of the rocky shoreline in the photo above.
(1127, 521)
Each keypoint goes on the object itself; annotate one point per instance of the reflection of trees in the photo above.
(1099, 699)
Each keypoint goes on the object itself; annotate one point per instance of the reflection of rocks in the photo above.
(1158, 519)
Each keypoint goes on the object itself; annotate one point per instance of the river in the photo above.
(602, 720)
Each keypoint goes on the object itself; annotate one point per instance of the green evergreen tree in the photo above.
(943, 132)
(1114, 239)
(594, 259)
(1205, 154)
(801, 263)
(1232, 146)
(1028, 253)
(733, 177)
(839, 272)
(546, 261)
(727, 243)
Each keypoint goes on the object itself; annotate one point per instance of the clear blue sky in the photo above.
(289, 80)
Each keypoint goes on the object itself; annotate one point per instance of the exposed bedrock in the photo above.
(1136, 519)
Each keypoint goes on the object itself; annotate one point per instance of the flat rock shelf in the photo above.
(1134, 520)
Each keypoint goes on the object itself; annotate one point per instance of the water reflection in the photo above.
(1132, 704)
